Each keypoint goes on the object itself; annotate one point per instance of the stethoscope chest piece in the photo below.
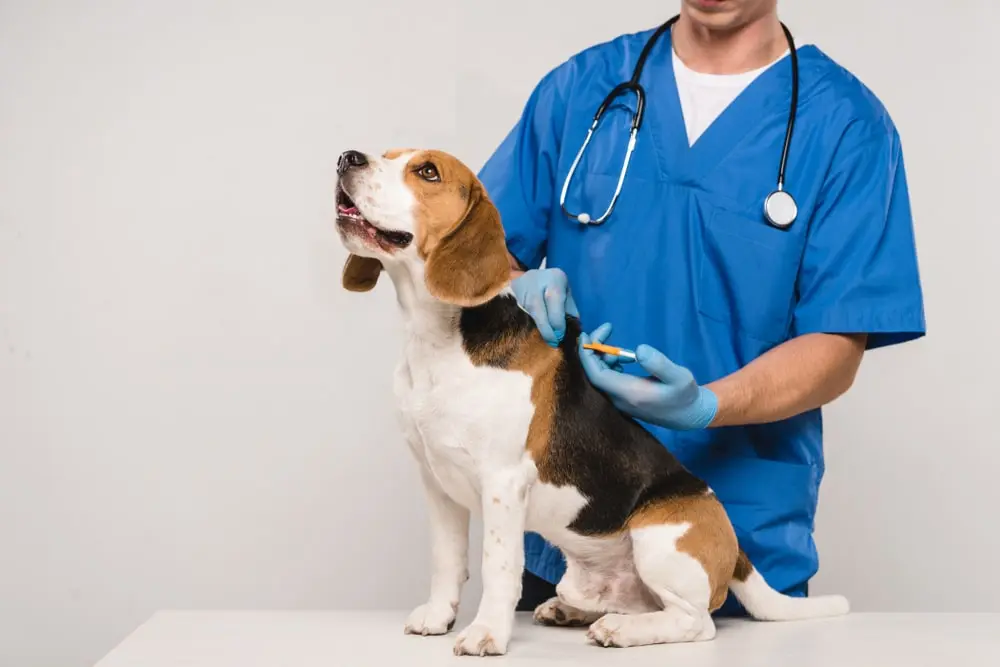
(780, 209)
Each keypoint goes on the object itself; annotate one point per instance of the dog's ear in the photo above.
(470, 265)
(361, 273)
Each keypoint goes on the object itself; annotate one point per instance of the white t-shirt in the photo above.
(704, 96)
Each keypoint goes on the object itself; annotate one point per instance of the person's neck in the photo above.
(749, 47)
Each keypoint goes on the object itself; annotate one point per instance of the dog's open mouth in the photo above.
(350, 219)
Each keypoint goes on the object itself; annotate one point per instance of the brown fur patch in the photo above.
(532, 356)
(460, 237)
(443, 204)
(743, 567)
(541, 362)
(710, 539)
(458, 231)
(360, 273)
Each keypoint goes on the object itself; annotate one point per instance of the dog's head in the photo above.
(426, 209)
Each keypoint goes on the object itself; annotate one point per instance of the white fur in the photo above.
(766, 604)
(383, 198)
(467, 426)
(680, 583)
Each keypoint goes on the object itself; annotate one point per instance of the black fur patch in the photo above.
(607, 455)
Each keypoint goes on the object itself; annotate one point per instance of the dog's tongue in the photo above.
(348, 210)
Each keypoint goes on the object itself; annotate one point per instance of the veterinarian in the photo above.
(748, 310)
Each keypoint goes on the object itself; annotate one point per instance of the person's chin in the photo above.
(714, 14)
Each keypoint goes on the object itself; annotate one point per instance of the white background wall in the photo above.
(193, 414)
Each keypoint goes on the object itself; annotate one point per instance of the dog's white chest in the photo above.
(462, 421)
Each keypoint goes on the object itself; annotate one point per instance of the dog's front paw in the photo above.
(430, 619)
(481, 640)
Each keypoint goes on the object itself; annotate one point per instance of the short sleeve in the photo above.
(520, 176)
(859, 272)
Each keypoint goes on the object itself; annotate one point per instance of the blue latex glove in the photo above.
(669, 398)
(544, 294)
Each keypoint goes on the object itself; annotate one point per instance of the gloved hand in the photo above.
(544, 294)
(669, 398)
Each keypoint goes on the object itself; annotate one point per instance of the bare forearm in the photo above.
(800, 375)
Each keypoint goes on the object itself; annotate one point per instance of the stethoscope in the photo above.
(780, 208)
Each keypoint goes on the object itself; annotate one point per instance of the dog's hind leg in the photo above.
(558, 613)
(680, 583)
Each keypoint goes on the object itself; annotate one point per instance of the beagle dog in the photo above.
(506, 427)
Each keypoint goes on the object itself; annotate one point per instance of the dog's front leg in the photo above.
(449, 562)
(505, 504)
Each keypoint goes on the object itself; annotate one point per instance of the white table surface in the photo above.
(360, 639)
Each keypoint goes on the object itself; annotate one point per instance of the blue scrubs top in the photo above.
(686, 262)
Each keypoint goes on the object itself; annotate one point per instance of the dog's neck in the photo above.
(487, 331)
(436, 323)
(424, 315)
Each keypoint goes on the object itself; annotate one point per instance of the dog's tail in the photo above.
(766, 604)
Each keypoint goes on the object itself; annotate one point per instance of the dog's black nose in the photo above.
(350, 160)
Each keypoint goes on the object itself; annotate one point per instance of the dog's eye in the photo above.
(428, 172)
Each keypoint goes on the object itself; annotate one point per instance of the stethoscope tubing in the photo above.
(636, 88)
